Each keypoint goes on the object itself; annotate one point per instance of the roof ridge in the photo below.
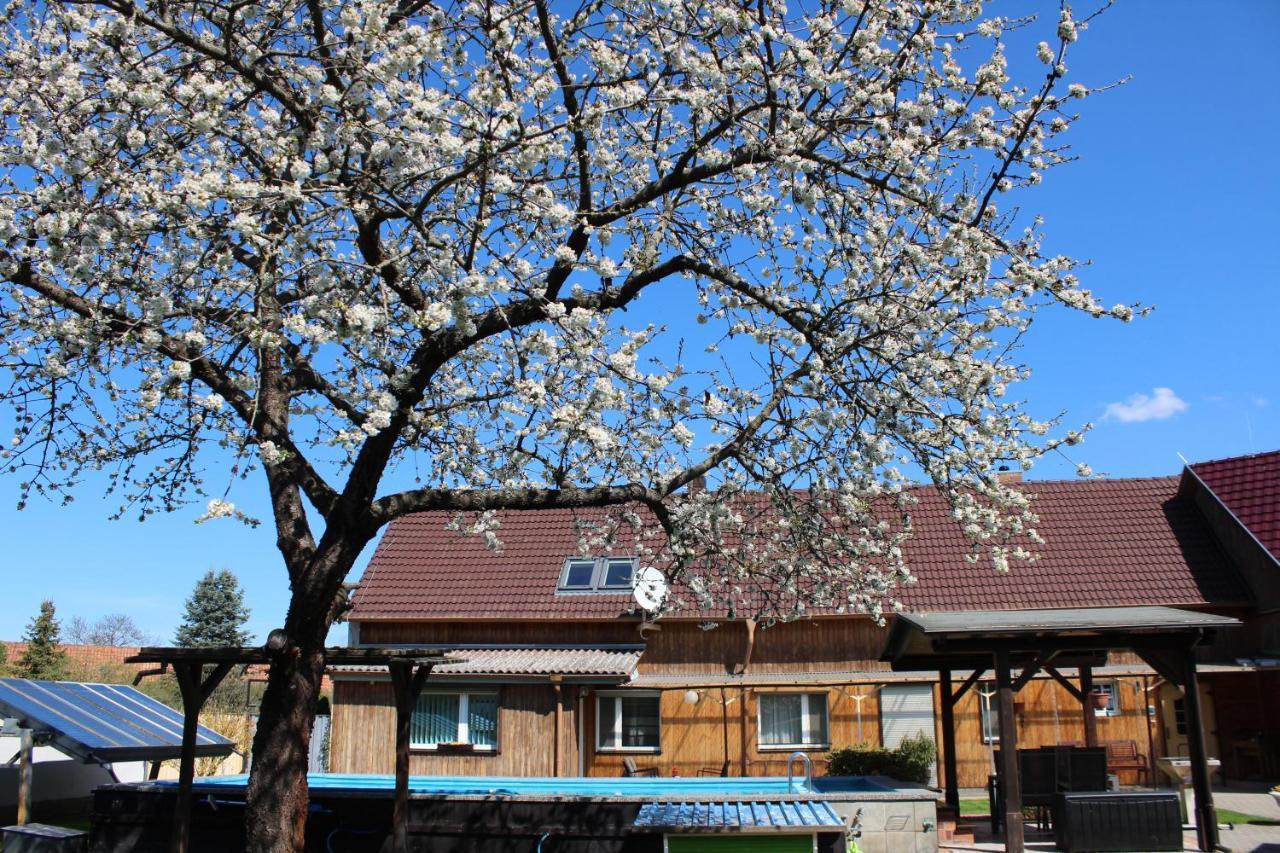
(1242, 458)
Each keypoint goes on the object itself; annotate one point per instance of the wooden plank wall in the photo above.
(685, 648)
(363, 734)
(1050, 716)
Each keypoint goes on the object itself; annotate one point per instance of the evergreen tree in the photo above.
(216, 613)
(44, 657)
(4, 658)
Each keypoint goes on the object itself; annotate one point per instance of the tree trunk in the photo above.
(276, 813)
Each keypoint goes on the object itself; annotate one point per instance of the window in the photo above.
(617, 573)
(628, 721)
(1113, 699)
(578, 574)
(597, 574)
(793, 720)
(990, 714)
(452, 718)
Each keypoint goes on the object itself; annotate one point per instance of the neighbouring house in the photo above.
(562, 675)
(86, 662)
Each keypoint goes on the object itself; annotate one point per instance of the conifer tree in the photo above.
(4, 659)
(216, 613)
(44, 657)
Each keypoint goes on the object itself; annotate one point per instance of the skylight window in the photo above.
(617, 573)
(578, 574)
(599, 574)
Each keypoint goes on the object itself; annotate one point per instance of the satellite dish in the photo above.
(649, 588)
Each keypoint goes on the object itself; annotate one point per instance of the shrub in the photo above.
(912, 761)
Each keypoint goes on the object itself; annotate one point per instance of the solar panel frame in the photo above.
(103, 722)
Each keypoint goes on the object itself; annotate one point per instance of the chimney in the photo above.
(698, 484)
(1007, 477)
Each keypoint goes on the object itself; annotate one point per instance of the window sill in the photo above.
(629, 750)
(454, 749)
(795, 747)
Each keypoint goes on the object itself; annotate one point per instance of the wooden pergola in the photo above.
(1016, 645)
(409, 669)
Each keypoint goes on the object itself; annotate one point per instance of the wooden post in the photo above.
(1206, 814)
(195, 689)
(743, 713)
(1010, 782)
(556, 728)
(1090, 718)
(406, 683)
(27, 744)
(949, 773)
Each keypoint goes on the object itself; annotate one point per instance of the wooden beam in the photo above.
(1090, 718)
(556, 726)
(196, 688)
(1030, 670)
(743, 713)
(1010, 782)
(407, 678)
(949, 772)
(27, 743)
(1066, 685)
(1206, 814)
(968, 683)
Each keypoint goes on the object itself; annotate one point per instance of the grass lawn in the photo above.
(1228, 816)
(976, 806)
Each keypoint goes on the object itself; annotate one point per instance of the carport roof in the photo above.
(957, 639)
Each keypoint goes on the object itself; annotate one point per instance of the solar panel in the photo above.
(103, 722)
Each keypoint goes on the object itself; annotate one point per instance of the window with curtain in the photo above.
(455, 718)
(628, 721)
(793, 719)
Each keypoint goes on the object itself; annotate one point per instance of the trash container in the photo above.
(1116, 821)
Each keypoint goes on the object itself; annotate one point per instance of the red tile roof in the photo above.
(1108, 543)
(1248, 486)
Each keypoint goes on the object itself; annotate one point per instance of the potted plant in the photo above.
(1100, 700)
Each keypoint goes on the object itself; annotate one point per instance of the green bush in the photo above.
(912, 761)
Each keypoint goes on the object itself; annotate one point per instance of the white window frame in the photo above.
(1112, 689)
(805, 734)
(617, 696)
(464, 720)
(599, 571)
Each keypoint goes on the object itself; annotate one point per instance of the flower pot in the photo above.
(1100, 700)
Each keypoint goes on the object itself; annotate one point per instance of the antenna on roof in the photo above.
(649, 588)
(1185, 460)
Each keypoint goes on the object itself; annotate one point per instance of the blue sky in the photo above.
(1174, 199)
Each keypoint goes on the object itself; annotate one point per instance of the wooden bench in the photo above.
(1124, 755)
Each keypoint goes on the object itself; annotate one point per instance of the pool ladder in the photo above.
(808, 770)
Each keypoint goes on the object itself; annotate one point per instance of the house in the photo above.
(564, 677)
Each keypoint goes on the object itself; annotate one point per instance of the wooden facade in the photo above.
(710, 684)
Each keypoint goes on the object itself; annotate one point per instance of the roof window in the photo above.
(597, 574)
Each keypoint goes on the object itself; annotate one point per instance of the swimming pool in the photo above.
(592, 787)
(502, 814)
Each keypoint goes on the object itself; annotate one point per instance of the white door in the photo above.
(907, 710)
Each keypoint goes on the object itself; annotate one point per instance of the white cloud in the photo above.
(1162, 403)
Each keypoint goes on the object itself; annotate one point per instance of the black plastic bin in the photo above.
(1120, 820)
